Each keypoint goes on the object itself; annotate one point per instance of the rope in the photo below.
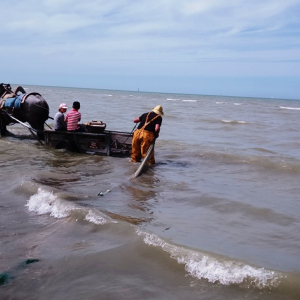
(32, 130)
(41, 106)
(48, 125)
(44, 109)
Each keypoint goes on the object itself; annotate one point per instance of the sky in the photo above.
(245, 48)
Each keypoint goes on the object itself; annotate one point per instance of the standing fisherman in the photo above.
(144, 135)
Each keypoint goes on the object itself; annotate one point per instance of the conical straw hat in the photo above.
(158, 110)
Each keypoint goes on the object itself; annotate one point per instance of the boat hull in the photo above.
(112, 143)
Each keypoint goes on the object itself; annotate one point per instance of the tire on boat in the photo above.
(67, 146)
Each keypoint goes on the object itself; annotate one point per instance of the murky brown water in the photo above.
(216, 218)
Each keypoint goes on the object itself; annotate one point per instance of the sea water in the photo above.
(217, 217)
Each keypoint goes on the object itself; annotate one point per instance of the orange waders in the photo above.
(141, 142)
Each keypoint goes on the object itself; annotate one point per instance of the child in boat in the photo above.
(73, 117)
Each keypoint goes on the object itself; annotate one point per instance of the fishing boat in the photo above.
(96, 140)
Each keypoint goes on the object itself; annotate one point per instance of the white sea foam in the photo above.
(220, 102)
(45, 202)
(291, 108)
(95, 218)
(234, 121)
(237, 103)
(184, 100)
(230, 272)
(214, 269)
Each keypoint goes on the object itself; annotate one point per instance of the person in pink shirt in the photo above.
(73, 117)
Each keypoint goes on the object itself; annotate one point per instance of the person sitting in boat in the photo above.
(73, 117)
(147, 130)
(59, 118)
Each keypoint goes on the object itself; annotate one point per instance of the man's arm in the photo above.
(157, 129)
(136, 120)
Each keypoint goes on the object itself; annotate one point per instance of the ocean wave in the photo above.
(216, 269)
(264, 150)
(226, 121)
(266, 162)
(45, 202)
(234, 121)
(291, 108)
(184, 100)
(95, 218)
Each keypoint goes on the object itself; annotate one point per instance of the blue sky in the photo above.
(216, 47)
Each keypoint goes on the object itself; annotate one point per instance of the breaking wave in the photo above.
(291, 108)
(183, 100)
(215, 269)
(234, 122)
(95, 218)
(45, 202)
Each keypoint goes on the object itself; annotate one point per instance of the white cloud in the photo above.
(39, 23)
(165, 18)
(183, 36)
